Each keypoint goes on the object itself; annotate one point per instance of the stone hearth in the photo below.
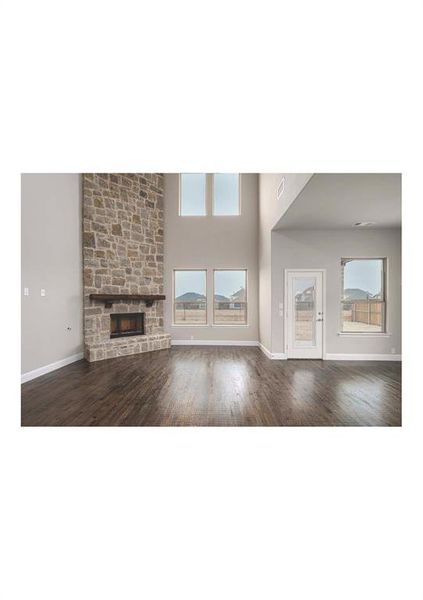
(122, 254)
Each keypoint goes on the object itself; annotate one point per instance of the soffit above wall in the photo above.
(337, 201)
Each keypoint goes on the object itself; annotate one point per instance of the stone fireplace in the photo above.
(123, 255)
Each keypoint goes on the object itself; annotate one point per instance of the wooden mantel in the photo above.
(108, 299)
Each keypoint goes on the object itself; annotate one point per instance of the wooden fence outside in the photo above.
(364, 311)
(196, 312)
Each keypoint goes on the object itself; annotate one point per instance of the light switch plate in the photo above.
(26, 291)
(43, 292)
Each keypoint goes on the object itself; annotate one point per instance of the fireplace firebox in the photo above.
(126, 324)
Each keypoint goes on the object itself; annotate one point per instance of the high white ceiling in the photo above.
(337, 201)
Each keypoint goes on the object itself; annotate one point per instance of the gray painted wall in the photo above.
(212, 242)
(324, 249)
(51, 259)
(270, 211)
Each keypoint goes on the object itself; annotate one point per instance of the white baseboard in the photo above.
(279, 356)
(390, 357)
(52, 367)
(272, 355)
(213, 343)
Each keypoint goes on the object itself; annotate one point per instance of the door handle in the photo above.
(319, 319)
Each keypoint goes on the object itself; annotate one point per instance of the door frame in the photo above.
(285, 307)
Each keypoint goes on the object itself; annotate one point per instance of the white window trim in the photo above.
(209, 303)
(239, 198)
(376, 334)
(206, 324)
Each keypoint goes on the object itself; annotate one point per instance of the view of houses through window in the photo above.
(190, 299)
(304, 297)
(229, 297)
(363, 303)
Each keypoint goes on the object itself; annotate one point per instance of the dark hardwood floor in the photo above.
(215, 386)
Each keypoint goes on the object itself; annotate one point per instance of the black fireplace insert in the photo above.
(126, 324)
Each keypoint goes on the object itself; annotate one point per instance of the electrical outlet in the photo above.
(392, 350)
(192, 337)
(26, 291)
(43, 292)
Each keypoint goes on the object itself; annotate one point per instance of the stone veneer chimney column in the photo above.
(122, 253)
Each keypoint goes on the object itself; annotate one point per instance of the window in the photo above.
(190, 297)
(192, 194)
(363, 304)
(226, 194)
(195, 194)
(230, 297)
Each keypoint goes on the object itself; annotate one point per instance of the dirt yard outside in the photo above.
(195, 316)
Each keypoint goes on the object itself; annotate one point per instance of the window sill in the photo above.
(206, 325)
(230, 325)
(363, 334)
(190, 325)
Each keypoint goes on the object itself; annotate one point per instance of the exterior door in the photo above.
(304, 314)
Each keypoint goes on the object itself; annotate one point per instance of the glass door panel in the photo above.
(304, 311)
(304, 314)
